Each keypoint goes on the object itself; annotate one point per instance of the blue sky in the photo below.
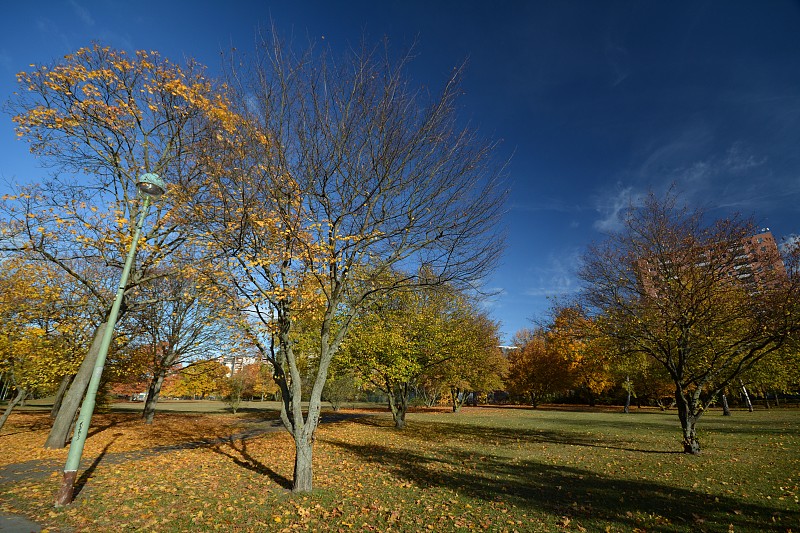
(598, 102)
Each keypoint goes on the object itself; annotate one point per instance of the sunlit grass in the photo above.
(481, 469)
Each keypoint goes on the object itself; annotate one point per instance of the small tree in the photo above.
(536, 370)
(184, 320)
(705, 301)
(341, 173)
(234, 387)
(101, 118)
(341, 387)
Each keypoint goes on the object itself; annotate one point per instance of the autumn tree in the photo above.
(392, 343)
(344, 172)
(263, 382)
(571, 336)
(101, 118)
(198, 380)
(685, 293)
(474, 362)
(643, 378)
(184, 320)
(34, 330)
(535, 370)
(340, 387)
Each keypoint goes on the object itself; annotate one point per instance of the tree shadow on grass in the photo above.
(240, 456)
(495, 436)
(87, 474)
(574, 492)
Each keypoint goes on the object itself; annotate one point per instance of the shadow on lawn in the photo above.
(492, 436)
(574, 492)
(241, 457)
(87, 474)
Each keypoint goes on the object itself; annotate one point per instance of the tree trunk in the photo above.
(688, 417)
(398, 403)
(590, 396)
(21, 393)
(59, 433)
(62, 390)
(4, 390)
(627, 408)
(153, 391)
(726, 410)
(766, 398)
(534, 400)
(454, 393)
(303, 466)
(746, 396)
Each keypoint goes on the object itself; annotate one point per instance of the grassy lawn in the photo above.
(482, 469)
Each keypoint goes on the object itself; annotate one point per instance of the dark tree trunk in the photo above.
(62, 390)
(457, 403)
(628, 389)
(534, 400)
(59, 433)
(590, 397)
(688, 416)
(726, 410)
(766, 399)
(153, 392)
(398, 403)
(18, 399)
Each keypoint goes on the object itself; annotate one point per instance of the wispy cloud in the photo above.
(557, 276)
(612, 206)
(731, 178)
(82, 13)
(789, 243)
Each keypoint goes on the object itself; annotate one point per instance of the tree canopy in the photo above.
(697, 297)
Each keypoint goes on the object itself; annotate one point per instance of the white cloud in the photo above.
(612, 207)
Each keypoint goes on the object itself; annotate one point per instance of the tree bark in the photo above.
(59, 433)
(688, 416)
(726, 410)
(534, 400)
(153, 392)
(454, 392)
(20, 396)
(303, 465)
(4, 390)
(398, 403)
(628, 388)
(746, 396)
(62, 390)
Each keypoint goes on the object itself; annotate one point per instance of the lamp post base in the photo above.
(65, 493)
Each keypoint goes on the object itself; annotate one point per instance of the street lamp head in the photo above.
(151, 185)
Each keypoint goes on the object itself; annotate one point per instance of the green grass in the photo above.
(481, 469)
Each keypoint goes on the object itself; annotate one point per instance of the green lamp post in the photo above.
(150, 186)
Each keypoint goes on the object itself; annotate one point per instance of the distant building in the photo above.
(236, 363)
(755, 262)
